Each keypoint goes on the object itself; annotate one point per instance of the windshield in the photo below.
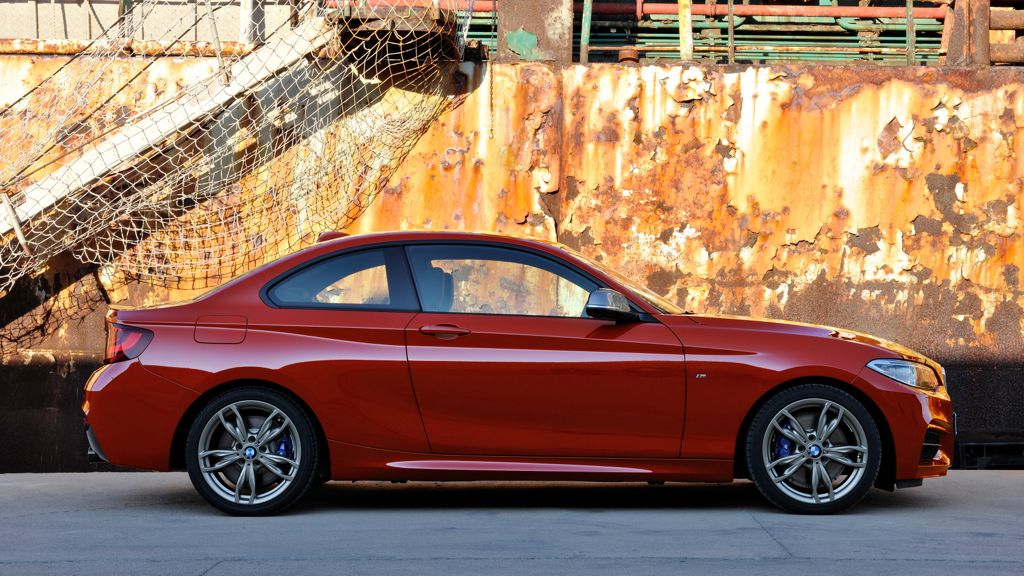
(640, 291)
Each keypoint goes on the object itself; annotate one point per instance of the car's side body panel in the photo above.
(519, 385)
(348, 367)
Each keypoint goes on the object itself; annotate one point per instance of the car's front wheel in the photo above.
(813, 449)
(251, 451)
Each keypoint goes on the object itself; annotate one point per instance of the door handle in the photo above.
(444, 331)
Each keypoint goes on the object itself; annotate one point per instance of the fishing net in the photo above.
(271, 143)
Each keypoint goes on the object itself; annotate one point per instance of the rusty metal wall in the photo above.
(881, 199)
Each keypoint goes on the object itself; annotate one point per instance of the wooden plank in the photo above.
(158, 124)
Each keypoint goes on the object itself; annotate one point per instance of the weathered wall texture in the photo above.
(874, 198)
(881, 199)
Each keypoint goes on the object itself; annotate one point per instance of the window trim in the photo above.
(391, 251)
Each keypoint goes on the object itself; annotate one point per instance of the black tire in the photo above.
(807, 458)
(281, 476)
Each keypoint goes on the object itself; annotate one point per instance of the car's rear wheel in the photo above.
(251, 451)
(813, 449)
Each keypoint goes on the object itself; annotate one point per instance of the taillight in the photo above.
(125, 342)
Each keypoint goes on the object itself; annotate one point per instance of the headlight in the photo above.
(906, 372)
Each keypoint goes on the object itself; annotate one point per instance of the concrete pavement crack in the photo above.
(778, 542)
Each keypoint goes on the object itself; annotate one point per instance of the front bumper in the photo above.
(921, 426)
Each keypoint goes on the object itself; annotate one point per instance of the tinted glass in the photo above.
(367, 279)
(470, 279)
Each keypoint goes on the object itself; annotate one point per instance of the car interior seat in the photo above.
(438, 290)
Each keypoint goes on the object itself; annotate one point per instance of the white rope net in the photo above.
(275, 143)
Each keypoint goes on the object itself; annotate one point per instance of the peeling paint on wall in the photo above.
(880, 199)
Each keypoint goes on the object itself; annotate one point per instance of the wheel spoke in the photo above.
(266, 426)
(234, 432)
(832, 425)
(839, 458)
(798, 428)
(228, 457)
(243, 430)
(218, 453)
(786, 460)
(823, 421)
(789, 471)
(252, 483)
(827, 480)
(791, 434)
(241, 478)
(860, 449)
(277, 471)
(276, 459)
(270, 435)
(814, 483)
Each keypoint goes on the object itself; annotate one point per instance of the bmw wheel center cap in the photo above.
(814, 451)
(250, 452)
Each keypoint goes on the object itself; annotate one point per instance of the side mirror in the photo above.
(607, 304)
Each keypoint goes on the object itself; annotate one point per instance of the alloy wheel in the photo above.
(815, 451)
(249, 452)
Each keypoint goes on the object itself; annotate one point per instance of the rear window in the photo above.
(368, 279)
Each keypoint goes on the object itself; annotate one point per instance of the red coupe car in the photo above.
(456, 356)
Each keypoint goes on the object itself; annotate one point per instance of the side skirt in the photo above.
(353, 462)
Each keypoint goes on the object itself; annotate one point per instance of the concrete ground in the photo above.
(140, 523)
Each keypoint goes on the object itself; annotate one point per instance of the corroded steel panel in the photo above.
(880, 199)
(535, 30)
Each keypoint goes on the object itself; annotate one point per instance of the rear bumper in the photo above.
(95, 453)
(131, 415)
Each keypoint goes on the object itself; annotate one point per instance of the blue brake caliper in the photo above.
(783, 446)
(284, 447)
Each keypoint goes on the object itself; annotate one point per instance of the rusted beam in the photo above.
(824, 49)
(808, 11)
(978, 48)
(1006, 20)
(732, 32)
(130, 47)
(1007, 53)
(588, 19)
(911, 35)
(625, 8)
(956, 35)
(685, 29)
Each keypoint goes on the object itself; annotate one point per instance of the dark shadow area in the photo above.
(569, 495)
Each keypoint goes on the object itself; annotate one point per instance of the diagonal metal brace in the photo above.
(12, 215)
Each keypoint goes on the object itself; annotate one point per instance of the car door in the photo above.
(504, 361)
(345, 316)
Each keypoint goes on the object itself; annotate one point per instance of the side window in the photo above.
(471, 279)
(370, 279)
